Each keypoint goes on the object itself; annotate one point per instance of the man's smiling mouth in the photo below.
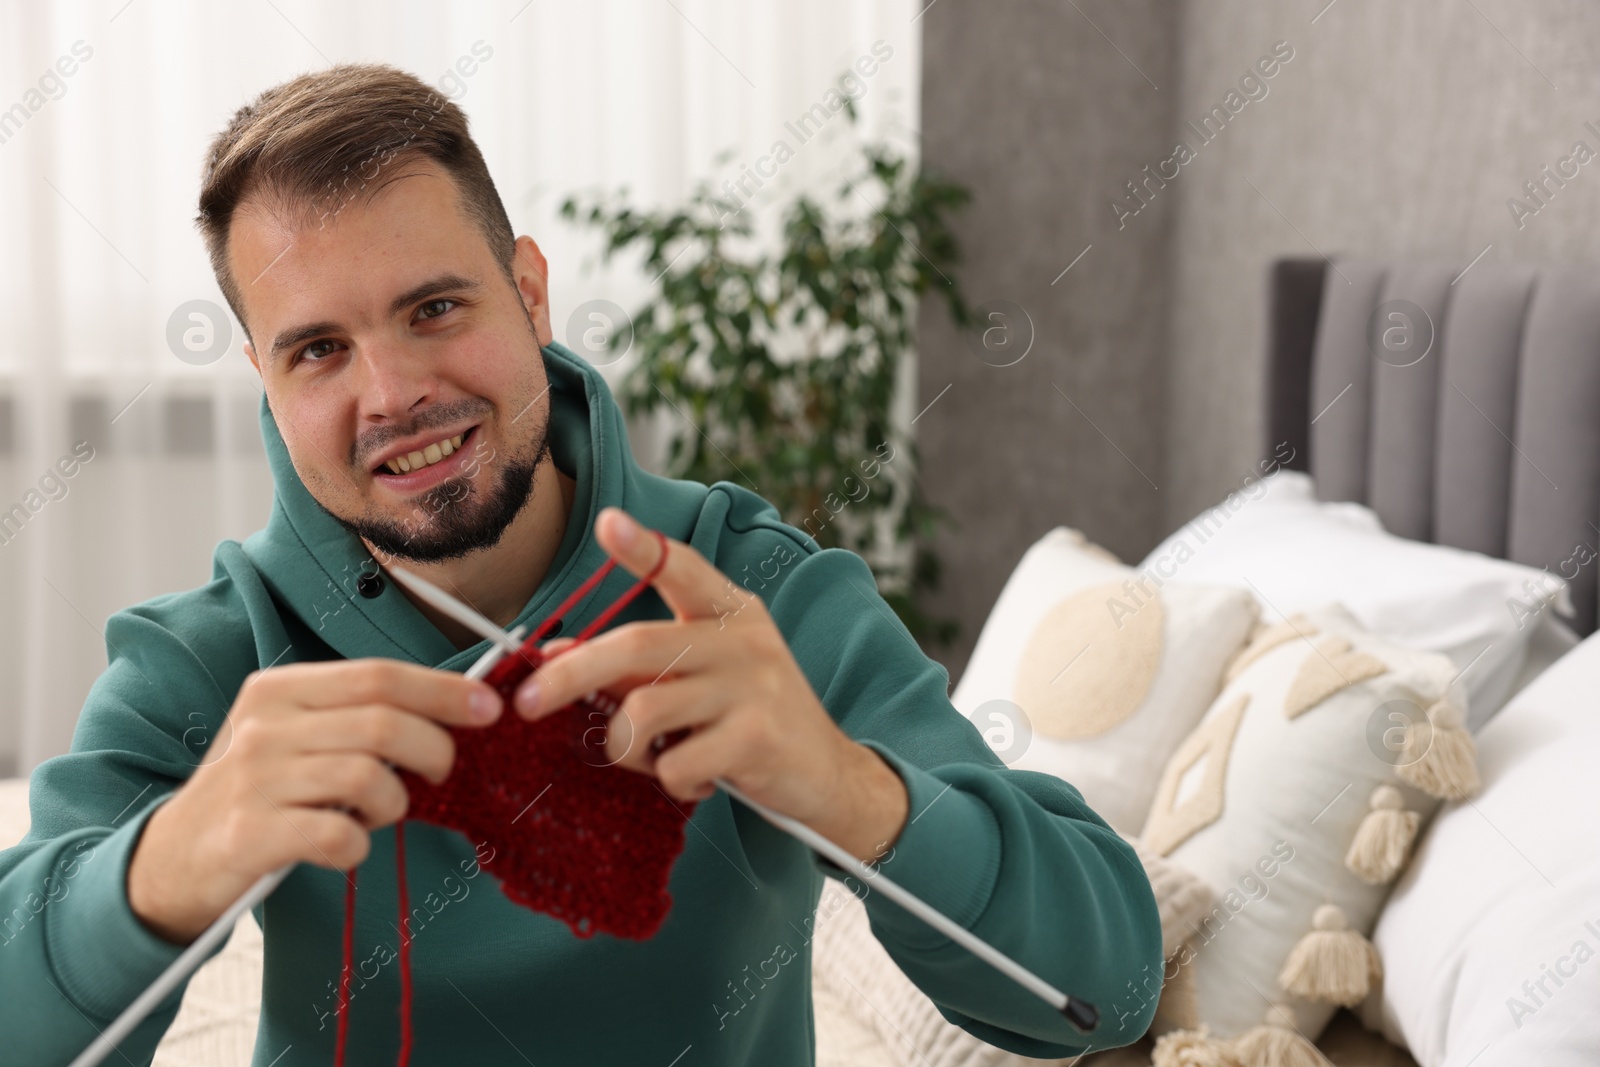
(421, 458)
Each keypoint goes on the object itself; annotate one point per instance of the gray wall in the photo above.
(1045, 120)
(1396, 129)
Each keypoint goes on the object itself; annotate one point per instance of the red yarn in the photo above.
(570, 834)
(405, 942)
(344, 972)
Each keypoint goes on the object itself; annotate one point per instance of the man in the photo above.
(416, 410)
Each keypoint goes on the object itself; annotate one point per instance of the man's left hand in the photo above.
(721, 669)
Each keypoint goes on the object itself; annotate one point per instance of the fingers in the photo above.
(649, 713)
(371, 791)
(313, 765)
(691, 586)
(444, 696)
(632, 655)
(388, 732)
(558, 644)
(326, 838)
(688, 770)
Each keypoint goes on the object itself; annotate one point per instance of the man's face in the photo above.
(387, 338)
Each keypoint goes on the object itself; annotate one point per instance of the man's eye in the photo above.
(310, 350)
(442, 304)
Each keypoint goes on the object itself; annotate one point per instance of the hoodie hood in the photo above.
(311, 563)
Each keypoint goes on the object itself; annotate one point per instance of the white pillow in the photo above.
(1551, 639)
(1502, 891)
(1296, 552)
(1264, 800)
(1081, 673)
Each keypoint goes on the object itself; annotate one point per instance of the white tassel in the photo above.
(1332, 963)
(1192, 1048)
(1383, 840)
(1277, 1044)
(1439, 757)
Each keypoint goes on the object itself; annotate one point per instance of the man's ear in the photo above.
(250, 350)
(532, 275)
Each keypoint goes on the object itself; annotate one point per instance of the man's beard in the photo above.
(456, 518)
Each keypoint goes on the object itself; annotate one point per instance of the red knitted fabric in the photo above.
(572, 836)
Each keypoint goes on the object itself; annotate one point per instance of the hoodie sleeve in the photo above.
(73, 954)
(1016, 857)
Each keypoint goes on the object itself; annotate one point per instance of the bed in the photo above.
(1452, 404)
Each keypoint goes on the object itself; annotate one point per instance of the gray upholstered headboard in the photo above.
(1464, 408)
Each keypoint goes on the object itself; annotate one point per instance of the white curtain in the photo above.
(105, 111)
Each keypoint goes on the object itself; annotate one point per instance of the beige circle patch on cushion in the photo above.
(1090, 662)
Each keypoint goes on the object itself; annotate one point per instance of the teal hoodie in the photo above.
(1014, 856)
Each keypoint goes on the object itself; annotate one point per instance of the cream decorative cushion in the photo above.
(1296, 799)
(216, 1025)
(1089, 671)
(851, 967)
(1182, 897)
(843, 1038)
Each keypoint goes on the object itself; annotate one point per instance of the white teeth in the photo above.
(427, 457)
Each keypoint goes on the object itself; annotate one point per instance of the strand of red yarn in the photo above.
(539, 634)
(344, 972)
(405, 943)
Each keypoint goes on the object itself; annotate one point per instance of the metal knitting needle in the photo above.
(473, 620)
(1080, 1013)
(487, 661)
(178, 970)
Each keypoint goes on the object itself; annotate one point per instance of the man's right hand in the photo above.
(306, 741)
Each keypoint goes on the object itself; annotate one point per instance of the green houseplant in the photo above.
(783, 361)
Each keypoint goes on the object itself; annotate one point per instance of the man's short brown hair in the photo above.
(313, 144)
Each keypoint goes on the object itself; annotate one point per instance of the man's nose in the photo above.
(393, 381)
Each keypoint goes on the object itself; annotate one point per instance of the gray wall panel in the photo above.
(1477, 409)
(1406, 340)
(1040, 113)
(1341, 381)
